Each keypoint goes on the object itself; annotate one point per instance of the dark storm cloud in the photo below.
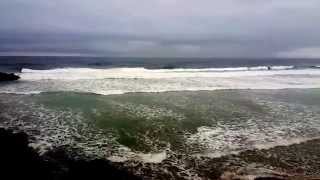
(230, 28)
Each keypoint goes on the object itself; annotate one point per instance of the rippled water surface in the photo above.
(151, 126)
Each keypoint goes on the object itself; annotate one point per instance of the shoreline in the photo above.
(18, 159)
(251, 164)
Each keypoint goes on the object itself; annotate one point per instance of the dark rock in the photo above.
(19, 161)
(8, 77)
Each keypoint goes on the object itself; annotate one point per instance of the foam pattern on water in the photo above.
(52, 128)
(124, 80)
(284, 125)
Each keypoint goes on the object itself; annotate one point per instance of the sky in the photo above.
(161, 28)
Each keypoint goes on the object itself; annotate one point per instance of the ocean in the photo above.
(123, 75)
(163, 112)
(38, 62)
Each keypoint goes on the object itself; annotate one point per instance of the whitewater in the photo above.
(125, 80)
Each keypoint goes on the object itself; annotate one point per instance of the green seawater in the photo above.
(148, 122)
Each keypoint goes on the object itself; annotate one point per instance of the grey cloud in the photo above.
(230, 28)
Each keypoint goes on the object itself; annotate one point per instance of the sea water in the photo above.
(135, 110)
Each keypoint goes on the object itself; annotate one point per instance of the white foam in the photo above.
(257, 133)
(284, 142)
(153, 157)
(118, 73)
(258, 68)
(124, 154)
(125, 80)
(281, 67)
(22, 92)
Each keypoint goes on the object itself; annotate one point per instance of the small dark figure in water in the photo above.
(8, 77)
(169, 66)
(269, 68)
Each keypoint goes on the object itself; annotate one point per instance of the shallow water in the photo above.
(150, 126)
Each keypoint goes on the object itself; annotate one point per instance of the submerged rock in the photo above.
(8, 77)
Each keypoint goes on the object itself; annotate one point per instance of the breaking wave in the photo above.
(90, 73)
(125, 80)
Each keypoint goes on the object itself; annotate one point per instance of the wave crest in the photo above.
(125, 80)
(117, 73)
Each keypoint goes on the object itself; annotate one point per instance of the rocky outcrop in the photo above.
(8, 77)
(19, 161)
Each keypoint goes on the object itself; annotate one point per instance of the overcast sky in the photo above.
(164, 28)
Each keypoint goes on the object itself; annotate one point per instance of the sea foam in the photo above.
(89, 73)
(125, 80)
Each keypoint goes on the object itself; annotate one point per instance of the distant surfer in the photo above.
(269, 68)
